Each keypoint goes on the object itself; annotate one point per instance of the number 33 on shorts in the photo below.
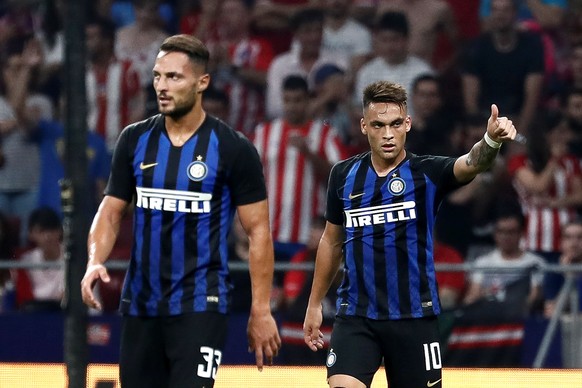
(212, 357)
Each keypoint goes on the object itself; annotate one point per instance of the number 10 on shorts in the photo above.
(212, 358)
(432, 356)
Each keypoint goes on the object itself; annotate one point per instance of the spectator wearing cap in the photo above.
(330, 97)
(302, 59)
(392, 60)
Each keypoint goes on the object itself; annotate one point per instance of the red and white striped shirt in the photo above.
(246, 101)
(109, 95)
(296, 193)
(543, 227)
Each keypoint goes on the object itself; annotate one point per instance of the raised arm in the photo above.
(327, 263)
(483, 153)
(262, 331)
(102, 237)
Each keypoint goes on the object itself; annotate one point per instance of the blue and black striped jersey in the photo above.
(185, 198)
(388, 249)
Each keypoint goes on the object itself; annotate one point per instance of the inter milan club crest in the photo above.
(396, 186)
(197, 170)
(331, 358)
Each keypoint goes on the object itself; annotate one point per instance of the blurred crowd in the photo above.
(289, 75)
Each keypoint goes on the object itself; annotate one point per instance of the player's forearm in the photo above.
(103, 234)
(327, 264)
(481, 157)
(261, 267)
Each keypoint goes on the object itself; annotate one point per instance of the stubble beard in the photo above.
(178, 112)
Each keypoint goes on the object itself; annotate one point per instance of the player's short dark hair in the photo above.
(306, 16)
(384, 91)
(392, 21)
(295, 82)
(189, 45)
(44, 218)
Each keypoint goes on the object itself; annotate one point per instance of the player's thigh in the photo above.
(142, 362)
(412, 352)
(353, 351)
(194, 345)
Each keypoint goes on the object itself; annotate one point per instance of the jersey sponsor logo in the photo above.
(197, 170)
(376, 215)
(173, 200)
(143, 166)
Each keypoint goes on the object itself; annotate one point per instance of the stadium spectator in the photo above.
(297, 154)
(200, 18)
(330, 100)
(505, 66)
(508, 232)
(216, 103)
(303, 60)
(115, 96)
(570, 254)
(19, 175)
(136, 43)
(428, 20)
(50, 136)
(451, 284)
(46, 285)
(572, 109)
(548, 180)
(51, 37)
(345, 35)
(431, 126)
(392, 60)
(239, 65)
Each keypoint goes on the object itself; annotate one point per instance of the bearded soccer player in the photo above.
(381, 208)
(187, 172)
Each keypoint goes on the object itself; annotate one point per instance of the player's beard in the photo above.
(180, 110)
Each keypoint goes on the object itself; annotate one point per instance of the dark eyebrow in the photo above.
(397, 121)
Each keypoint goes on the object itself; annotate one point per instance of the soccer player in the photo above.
(381, 207)
(188, 173)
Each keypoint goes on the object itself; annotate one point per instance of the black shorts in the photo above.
(409, 347)
(176, 351)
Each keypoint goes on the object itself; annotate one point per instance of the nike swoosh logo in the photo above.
(432, 384)
(352, 196)
(144, 166)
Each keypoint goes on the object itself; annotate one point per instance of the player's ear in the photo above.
(363, 126)
(408, 123)
(203, 82)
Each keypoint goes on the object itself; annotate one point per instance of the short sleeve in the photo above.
(121, 182)
(334, 208)
(247, 181)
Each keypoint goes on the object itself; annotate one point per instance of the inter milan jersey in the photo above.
(388, 249)
(185, 198)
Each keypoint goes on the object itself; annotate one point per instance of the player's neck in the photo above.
(383, 166)
(180, 129)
